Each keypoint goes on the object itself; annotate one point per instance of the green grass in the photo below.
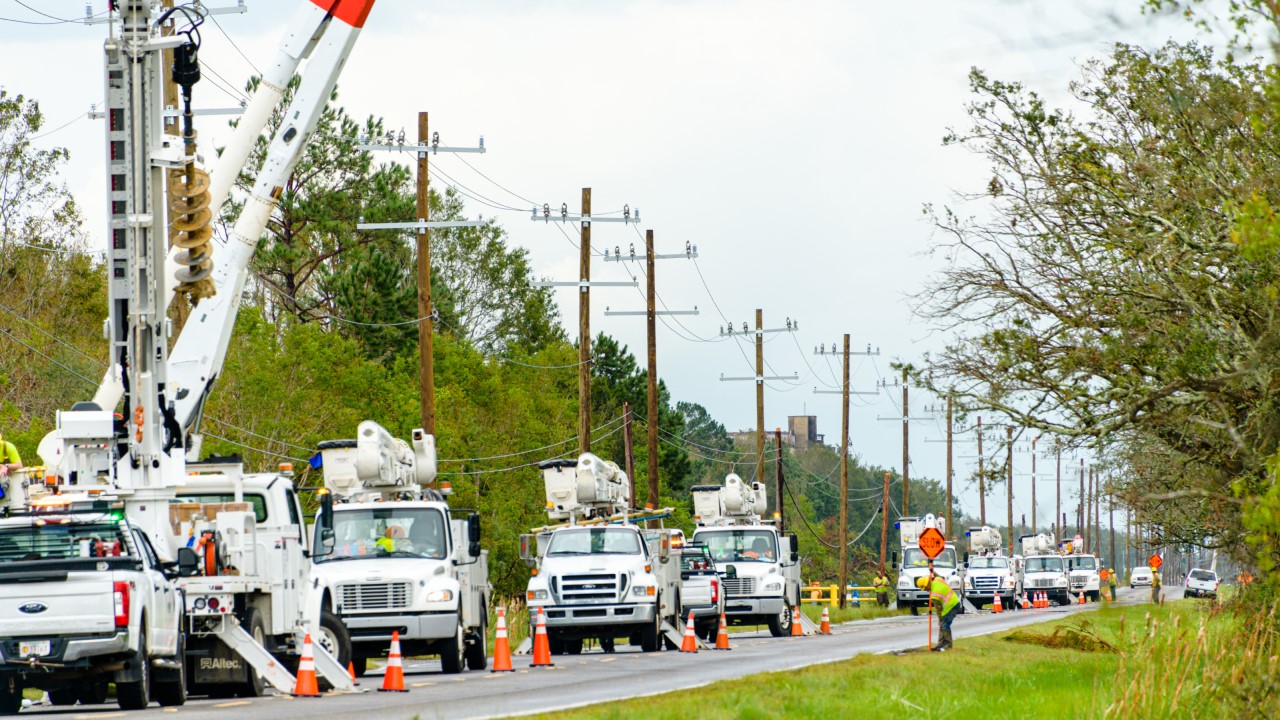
(1036, 673)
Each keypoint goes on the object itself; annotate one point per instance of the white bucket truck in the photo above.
(988, 572)
(915, 564)
(760, 566)
(402, 559)
(1082, 571)
(1043, 569)
(598, 574)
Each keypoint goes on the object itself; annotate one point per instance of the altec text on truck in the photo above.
(760, 566)
(402, 559)
(598, 575)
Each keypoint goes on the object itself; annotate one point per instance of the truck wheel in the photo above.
(10, 695)
(360, 666)
(780, 624)
(63, 696)
(171, 685)
(573, 646)
(651, 634)
(451, 652)
(478, 648)
(137, 695)
(253, 624)
(93, 693)
(335, 639)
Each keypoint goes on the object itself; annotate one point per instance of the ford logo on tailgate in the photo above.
(32, 608)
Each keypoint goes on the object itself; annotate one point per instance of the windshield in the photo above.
(595, 541)
(55, 540)
(914, 557)
(1082, 563)
(740, 545)
(1203, 575)
(1043, 564)
(980, 563)
(695, 558)
(388, 532)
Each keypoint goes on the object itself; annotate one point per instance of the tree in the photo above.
(35, 206)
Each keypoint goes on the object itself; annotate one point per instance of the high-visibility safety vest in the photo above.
(881, 584)
(941, 595)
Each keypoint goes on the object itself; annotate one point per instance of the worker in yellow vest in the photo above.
(947, 604)
(881, 586)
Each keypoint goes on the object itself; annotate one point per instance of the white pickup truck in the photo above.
(84, 601)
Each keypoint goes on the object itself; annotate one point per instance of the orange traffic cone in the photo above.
(722, 637)
(825, 628)
(996, 605)
(393, 676)
(1036, 602)
(796, 630)
(541, 643)
(501, 646)
(1025, 602)
(1082, 600)
(690, 644)
(351, 670)
(306, 685)
(1043, 602)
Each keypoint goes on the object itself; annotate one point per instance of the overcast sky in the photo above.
(793, 142)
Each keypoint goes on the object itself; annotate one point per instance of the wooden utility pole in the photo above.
(629, 452)
(982, 480)
(1057, 507)
(950, 472)
(426, 326)
(584, 328)
(651, 318)
(1097, 509)
(906, 452)
(1008, 434)
(1032, 527)
(884, 523)
(760, 395)
(844, 479)
(1111, 520)
(1080, 506)
(1091, 540)
(777, 444)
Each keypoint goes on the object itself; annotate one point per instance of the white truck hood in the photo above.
(584, 564)
(379, 570)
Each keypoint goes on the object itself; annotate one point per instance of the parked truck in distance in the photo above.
(1083, 575)
(988, 571)
(597, 574)
(1043, 569)
(403, 559)
(913, 563)
(701, 589)
(760, 566)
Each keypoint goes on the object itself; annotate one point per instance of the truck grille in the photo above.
(1078, 583)
(589, 588)
(739, 586)
(989, 584)
(375, 596)
(1040, 583)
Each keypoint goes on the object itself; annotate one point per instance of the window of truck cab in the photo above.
(256, 501)
(595, 541)
(915, 558)
(739, 545)
(388, 530)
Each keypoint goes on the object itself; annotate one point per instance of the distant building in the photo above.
(803, 430)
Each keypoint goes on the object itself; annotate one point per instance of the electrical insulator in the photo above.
(564, 210)
(744, 326)
(626, 212)
(633, 251)
(435, 140)
(546, 211)
(617, 251)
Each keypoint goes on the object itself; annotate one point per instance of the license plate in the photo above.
(33, 648)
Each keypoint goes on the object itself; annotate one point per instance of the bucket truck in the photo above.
(598, 573)
(403, 559)
(988, 572)
(1043, 569)
(914, 563)
(760, 566)
(239, 540)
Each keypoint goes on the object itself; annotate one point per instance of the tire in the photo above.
(651, 634)
(708, 630)
(452, 650)
(171, 685)
(253, 624)
(477, 653)
(915, 609)
(336, 640)
(573, 646)
(360, 666)
(93, 693)
(137, 695)
(63, 696)
(780, 624)
(10, 695)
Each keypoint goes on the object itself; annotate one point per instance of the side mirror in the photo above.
(664, 548)
(473, 530)
(188, 562)
(894, 556)
(474, 549)
(526, 550)
(795, 546)
(730, 572)
(324, 526)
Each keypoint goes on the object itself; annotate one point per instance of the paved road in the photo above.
(594, 677)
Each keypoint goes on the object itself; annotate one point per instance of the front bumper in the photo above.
(420, 626)
(743, 606)
(76, 651)
(579, 615)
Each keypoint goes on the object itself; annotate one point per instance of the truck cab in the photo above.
(915, 564)
(988, 572)
(1084, 576)
(1044, 570)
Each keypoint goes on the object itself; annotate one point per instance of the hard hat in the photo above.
(922, 582)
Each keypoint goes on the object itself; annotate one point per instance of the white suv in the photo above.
(1140, 575)
(1202, 583)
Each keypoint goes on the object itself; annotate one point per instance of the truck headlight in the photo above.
(440, 596)
(773, 586)
(642, 590)
(1008, 581)
(536, 595)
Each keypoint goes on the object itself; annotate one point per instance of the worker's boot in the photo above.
(945, 640)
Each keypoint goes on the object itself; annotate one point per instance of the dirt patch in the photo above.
(1076, 636)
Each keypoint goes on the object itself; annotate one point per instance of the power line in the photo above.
(46, 357)
(233, 43)
(55, 338)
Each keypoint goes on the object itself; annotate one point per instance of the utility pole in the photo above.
(777, 443)
(844, 478)
(427, 144)
(884, 522)
(982, 480)
(1111, 520)
(760, 379)
(584, 285)
(950, 472)
(1008, 434)
(1057, 507)
(1080, 506)
(1032, 529)
(906, 452)
(629, 453)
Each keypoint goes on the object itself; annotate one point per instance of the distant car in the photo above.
(1202, 583)
(1140, 576)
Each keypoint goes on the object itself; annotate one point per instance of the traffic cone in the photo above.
(825, 628)
(351, 671)
(306, 685)
(796, 630)
(1025, 602)
(393, 675)
(541, 643)
(1038, 605)
(690, 644)
(722, 637)
(501, 646)
(996, 605)
(1082, 600)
